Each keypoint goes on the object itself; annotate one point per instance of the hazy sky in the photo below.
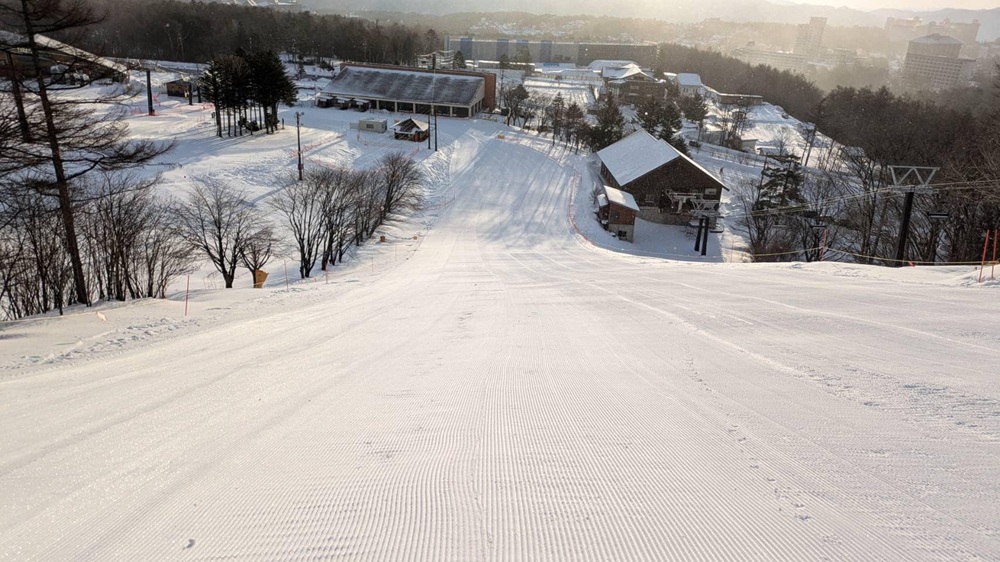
(906, 4)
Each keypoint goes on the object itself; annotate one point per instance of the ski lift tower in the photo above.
(911, 180)
(707, 213)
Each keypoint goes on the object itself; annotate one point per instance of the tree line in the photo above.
(80, 218)
(245, 89)
(200, 31)
(324, 215)
(851, 195)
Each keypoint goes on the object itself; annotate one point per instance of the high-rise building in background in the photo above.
(902, 30)
(964, 32)
(933, 62)
(810, 37)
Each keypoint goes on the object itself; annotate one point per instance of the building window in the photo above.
(650, 199)
(711, 191)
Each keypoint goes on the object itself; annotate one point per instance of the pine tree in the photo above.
(271, 85)
(557, 112)
(610, 126)
(458, 62)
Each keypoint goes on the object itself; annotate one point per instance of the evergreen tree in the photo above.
(271, 85)
(610, 126)
(693, 107)
(662, 119)
(458, 62)
(575, 129)
(523, 55)
(242, 85)
(557, 113)
(783, 182)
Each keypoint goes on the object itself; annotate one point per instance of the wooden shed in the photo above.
(178, 88)
(411, 130)
(617, 210)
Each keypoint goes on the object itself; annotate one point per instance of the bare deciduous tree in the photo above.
(217, 220)
(65, 140)
(300, 203)
(401, 179)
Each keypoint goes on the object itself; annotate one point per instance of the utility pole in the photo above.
(433, 114)
(298, 140)
(901, 174)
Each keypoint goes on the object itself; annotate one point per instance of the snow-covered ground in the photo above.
(580, 93)
(500, 380)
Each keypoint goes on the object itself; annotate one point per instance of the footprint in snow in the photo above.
(190, 544)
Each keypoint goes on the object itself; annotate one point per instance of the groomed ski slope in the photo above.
(508, 391)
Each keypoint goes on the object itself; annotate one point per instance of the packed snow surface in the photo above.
(497, 382)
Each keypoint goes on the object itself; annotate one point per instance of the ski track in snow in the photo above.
(502, 389)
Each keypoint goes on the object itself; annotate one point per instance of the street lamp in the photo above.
(298, 140)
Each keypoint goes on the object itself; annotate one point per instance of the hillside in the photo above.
(495, 382)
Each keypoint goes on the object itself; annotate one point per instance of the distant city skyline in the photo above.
(919, 5)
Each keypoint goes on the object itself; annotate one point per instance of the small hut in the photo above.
(617, 211)
(178, 88)
(412, 130)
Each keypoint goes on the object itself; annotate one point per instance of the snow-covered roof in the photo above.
(636, 155)
(640, 153)
(405, 85)
(601, 64)
(688, 79)
(17, 40)
(410, 125)
(937, 39)
(621, 73)
(621, 198)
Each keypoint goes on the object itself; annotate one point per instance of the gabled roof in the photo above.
(636, 155)
(600, 64)
(640, 153)
(621, 73)
(411, 125)
(405, 85)
(621, 198)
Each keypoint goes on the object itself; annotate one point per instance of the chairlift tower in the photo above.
(705, 210)
(911, 180)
